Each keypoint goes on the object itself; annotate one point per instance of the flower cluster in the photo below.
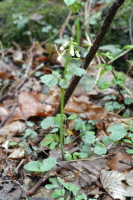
(71, 48)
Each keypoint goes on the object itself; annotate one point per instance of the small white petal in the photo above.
(61, 48)
(77, 54)
(59, 58)
(65, 44)
(72, 51)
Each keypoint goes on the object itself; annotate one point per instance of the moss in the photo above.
(53, 14)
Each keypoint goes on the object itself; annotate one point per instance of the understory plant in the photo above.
(63, 190)
(69, 51)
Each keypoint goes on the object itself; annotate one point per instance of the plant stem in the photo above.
(61, 123)
(62, 111)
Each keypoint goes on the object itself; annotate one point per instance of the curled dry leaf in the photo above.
(18, 57)
(86, 109)
(17, 154)
(117, 185)
(9, 131)
(116, 165)
(31, 106)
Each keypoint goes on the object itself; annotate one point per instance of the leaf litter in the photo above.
(96, 176)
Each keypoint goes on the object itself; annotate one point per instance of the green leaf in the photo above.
(56, 193)
(79, 124)
(63, 83)
(55, 73)
(68, 77)
(73, 116)
(128, 47)
(89, 137)
(129, 122)
(12, 143)
(100, 150)
(45, 143)
(47, 122)
(118, 131)
(128, 100)
(100, 66)
(52, 145)
(54, 130)
(53, 185)
(109, 67)
(131, 128)
(127, 141)
(109, 106)
(85, 148)
(48, 164)
(83, 155)
(130, 151)
(105, 85)
(116, 105)
(30, 132)
(36, 166)
(49, 80)
(69, 2)
(79, 71)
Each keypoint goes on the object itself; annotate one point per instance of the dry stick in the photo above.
(130, 27)
(102, 32)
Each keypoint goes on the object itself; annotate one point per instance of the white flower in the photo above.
(64, 45)
(77, 53)
(72, 50)
(59, 58)
(61, 48)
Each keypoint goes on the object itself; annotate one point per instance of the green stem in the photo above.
(62, 112)
(61, 123)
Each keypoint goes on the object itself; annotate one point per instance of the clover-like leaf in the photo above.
(47, 122)
(49, 80)
(100, 150)
(79, 71)
(89, 137)
(118, 131)
(36, 166)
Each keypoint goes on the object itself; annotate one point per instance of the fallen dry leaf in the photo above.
(117, 185)
(9, 131)
(86, 109)
(83, 172)
(17, 154)
(120, 167)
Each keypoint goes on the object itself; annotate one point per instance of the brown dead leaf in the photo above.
(83, 172)
(9, 131)
(86, 109)
(120, 167)
(31, 106)
(17, 154)
(117, 185)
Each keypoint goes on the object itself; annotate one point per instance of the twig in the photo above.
(64, 25)
(121, 54)
(130, 27)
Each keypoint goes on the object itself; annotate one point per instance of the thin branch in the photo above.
(130, 27)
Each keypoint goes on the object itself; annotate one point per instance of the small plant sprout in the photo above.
(55, 78)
